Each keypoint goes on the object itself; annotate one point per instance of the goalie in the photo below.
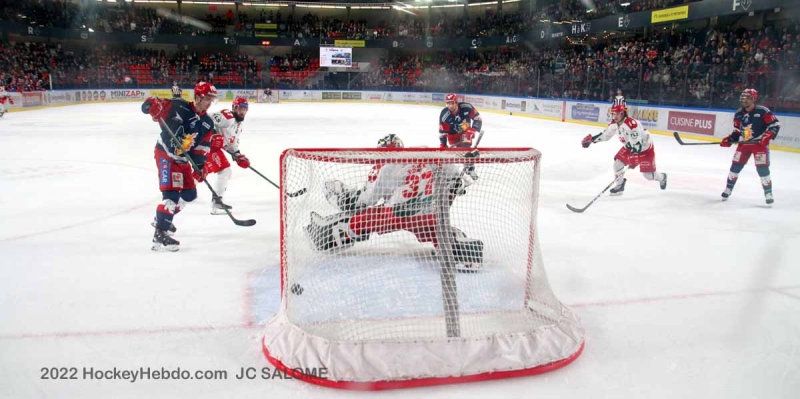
(395, 197)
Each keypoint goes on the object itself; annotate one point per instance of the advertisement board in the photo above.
(116, 95)
(335, 57)
(692, 122)
(670, 14)
(585, 112)
(331, 95)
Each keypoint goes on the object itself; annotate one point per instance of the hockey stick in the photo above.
(177, 144)
(678, 137)
(580, 210)
(477, 142)
(292, 194)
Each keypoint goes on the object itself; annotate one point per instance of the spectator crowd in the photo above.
(690, 67)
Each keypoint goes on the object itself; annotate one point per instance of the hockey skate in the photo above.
(726, 193)
(620, 187)
(170, 232)
(769, 198)
(218, 207)
(663, 183)
(162, 242)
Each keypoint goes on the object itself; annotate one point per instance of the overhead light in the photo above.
(91, 30)
(625, 4)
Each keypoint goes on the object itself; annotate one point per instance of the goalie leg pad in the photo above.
(468, 252)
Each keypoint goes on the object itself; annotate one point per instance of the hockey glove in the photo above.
(199, 177)
(731, 138)
(472, 154)
(587, 141)
(217, 142)
(470, 134)
(766, 137)
(156, 108)
(242, 160)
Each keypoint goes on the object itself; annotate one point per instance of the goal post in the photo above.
(433, 283)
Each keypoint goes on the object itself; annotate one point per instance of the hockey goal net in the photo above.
(436, 282)
(264, 95)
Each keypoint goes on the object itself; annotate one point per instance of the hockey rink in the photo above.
(681, 295)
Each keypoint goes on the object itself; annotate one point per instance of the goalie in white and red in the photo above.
(4, 96)
(638, 150)
(395, 197)
(228, 125)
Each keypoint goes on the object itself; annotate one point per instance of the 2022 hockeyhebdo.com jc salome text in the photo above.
(177, 373)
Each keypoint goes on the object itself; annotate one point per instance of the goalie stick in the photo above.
(292, 194)
(580, 210)
(177, 144)
(680, 141)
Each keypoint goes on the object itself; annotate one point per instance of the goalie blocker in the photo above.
(406, 193)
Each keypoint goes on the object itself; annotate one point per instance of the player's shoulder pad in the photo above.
(762, 109)
(223, 118)
(631, 123)
(465, 106)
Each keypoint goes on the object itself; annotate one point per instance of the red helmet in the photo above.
(451, 97)
(203, 89)
(749, 93)
(240, 102)
(617, 108)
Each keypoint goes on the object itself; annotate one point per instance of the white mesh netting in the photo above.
(399, 267)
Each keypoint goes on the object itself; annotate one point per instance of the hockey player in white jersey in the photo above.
(4, 96)
(395, 197)
(638, 149)
(228, 124)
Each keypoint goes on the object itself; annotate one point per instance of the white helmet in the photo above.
(390, 141)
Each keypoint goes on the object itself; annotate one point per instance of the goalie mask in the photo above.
(390, 141)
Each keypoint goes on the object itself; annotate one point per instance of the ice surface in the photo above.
(681, 295)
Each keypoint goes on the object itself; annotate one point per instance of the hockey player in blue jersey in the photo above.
(176, 179)
(459, 124)
(756, 126)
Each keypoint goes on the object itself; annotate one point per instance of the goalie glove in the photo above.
(340, 196)
(458, 186)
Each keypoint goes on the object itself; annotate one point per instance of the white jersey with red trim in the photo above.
(631, 133)
(225, 123)
(5, 96)
(410, 186)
